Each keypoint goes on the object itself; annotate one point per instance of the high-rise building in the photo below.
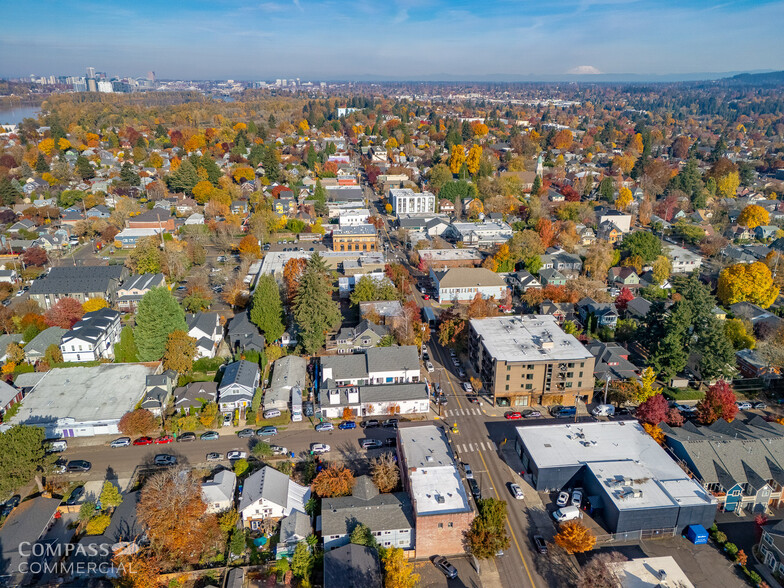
(92, 85)
(90, 72)
(151, 76)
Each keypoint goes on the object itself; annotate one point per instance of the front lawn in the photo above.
(678, 394)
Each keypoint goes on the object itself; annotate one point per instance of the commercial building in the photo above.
(484, 234)
(462, 284)
(406, 201)
(130, 236)
(628, 479)
(448, 258)
(354, 217)
(379, 400)
(528, 359)
(378, 365)
(649, 572)
(84, 401)
(442, 511)
(354, 238)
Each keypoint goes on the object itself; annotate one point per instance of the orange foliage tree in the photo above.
(575, 537)
(249, 247)
(292, 272)
(334, 480)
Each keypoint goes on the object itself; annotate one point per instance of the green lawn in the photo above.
(678, 394)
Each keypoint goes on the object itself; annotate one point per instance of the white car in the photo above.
(468, 387)
(563, 499)
(469, 473)
(577, 497)
(517, 492)
(232, 455)
(319, 448)
(430, 367)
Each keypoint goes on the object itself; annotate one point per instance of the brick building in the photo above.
(152, 219)
(442, 511)
(354, 238)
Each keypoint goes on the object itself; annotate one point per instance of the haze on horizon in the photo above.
(326, 39)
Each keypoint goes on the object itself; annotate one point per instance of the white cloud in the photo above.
(582, 70)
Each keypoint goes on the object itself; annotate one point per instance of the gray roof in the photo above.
(26, 523)
(289, 371)
(352, 566)
(47, 337)
(84, 278)
(188, 396)
(362, 327)
(29, 379)
(378, 512)
(346, 367)
(143, 281)
(639, 305)
(7, 393)
(240, 372)
(267, 483)
(380, 359)
(295, 527)
(204, 321)
(6, 340)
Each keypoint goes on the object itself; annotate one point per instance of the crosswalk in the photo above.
(472, 447)
(462, 412)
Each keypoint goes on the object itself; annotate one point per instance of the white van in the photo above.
(603, 410)
(57, 446)
(567, 513)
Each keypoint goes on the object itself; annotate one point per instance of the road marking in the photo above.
(508, 524)
(482, 445)
(492, 445)
(470, 446)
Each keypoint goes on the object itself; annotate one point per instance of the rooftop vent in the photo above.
(440, 499)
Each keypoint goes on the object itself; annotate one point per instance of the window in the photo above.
(529, 386)
(507, 376)
(581, 375)
(735, 493)
(450, 525)
(582, 364)
(529, 376)
(440, 525)
(507, 387)
(571, 365)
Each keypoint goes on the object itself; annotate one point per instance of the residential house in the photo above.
(294, 528)
(605, 313)
(385, 312)
(205, 327)
(379, 365)
(463, 284)
(128, 238)
(152, 219)
(620, 219)
(93, 337)
(243, 335)
(390, 517)
(80, 282)
(287, 372)
(765, 232)
(612, 361)
(561, 260)
(195, 219)
(357, 339)
(238, 385)
(446, 206)
(562, 311)
(683, 261)
(638, 308)
(131, 291)
(9, 395)
(193, 396)
(522, 281)
(586, 234)
(36, 348)
(753, 364)
(771, 547)
(99, 211)
(609, 231)
(158, 391)
(352, 566)
(218, 492)
(6, 340)
(623, 277)
(764, 322)
(551, 277)
(9, 276)
(270, 494)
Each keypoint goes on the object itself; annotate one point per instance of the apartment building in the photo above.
(528, 359)
(360, 237)
(405, 200)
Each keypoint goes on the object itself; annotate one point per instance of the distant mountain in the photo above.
(772, 78)
(559, 78)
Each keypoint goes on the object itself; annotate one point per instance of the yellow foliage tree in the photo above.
(46, 146)
(304, 126)
(750, 282)
(624, 198)
(398, 572)
(202, 191)
(479, 129)
(637, 143)
(456, 158)
(242, 173)
(473, 159)
(727, 185)
(195, 142)
(574, 537)
(655, 432)
(63, 144)
(753, 216)
(240, 126)
(156, 161)
(47, 177)
(646, 390)
(92, 304)
(391, 143)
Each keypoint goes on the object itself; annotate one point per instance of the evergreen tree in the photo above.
(40, 164)
(266, 310)
(320, 197)
(537, 186)
(302, 563)
(160, 132)
(271, 165)
(214, 172)
(158, 314)
(314, 310)
(717, 355)
(8, 194)
(184, 179)
(83, 168)
(129, 175)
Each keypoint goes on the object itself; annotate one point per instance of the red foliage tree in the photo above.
(34, 256)
(653, 411)
(546, 232)
(372, 172)
(570, 194)
(138, 422)
(65, 313)
(718, 403)
(623, 299)
(674, 417)
(759, 521)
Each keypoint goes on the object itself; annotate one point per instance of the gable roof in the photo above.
(274, 486)
(352, 566)
(242, 372)
(83, 278)
(461, 277)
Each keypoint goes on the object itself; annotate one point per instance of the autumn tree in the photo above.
(65, 313)
(599, 572)
(473, 158)
(753, 216)
(158, 315)
(575, 537)
(385, 472)
(750, 282)
(547, 232)
(292, 272)
(487, 534)
(398, 571)
(138, 422)
(266, 310)
(175, 518)
(334, 480)
(110, 495)
(249, 247)
(35, 256)
(718, 403)
(302, 562)
(92, 304)
(623, 299)
(624, 199)
(180, 352)
(653, 410)
(457, 158)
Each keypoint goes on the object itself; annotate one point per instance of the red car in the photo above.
(513, 416)
(426, 296)
(165, 439)
(143, 441)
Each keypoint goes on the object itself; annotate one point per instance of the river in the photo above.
(15, 114)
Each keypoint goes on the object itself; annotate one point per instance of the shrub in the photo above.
(97, 525)
(731, 549)
(754, 577)
(720, 538)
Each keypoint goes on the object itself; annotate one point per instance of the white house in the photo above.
(374, 400)
(238, 384)
(218, 493)
(205, 327)
(484, 234)
(462, 284)
(9, 276)
(405, 200)
(619, 219)
(353, 217)
(683, 260)
(378, 365)
(270, 494)
(93, 337)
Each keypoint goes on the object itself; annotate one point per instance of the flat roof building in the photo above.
(528, 359)
(627, 476)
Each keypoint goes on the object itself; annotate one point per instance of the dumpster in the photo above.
(697, 534)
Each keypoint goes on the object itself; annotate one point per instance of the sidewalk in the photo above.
(488, 574)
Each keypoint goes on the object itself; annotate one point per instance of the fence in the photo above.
(637, 535)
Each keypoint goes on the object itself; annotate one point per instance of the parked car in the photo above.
(143, 441)
(271, 413)
(540, 544)
(513, 416)
(78, 465)
(743, 405)
(567, 513)
(319, 448)
(577, 497)
(10, 504)
(164, 439)
(516, 491)
(759, 405)
(76, 494)
(267, 431)
(475, 491)
(209, 436)
(468, 387)
(227, 418)
(390, 423)
(529, 413)
(57, 446)
(469, 473)
(441, 399)
(429, 366)
(322, 427)
(371, 443)
(563, 499)
(461, 373)
(214, 456)
(345, 425)
(371, 424)
(120, 442)
(163, 459)
(187, 437)
(447, 568)
(246, 433)
(234, 455)
(278, 450)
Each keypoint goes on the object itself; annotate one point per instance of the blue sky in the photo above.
(334, 39)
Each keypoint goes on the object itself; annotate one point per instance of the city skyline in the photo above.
(402, 40)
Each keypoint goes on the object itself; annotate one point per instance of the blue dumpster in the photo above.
(697, 534)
